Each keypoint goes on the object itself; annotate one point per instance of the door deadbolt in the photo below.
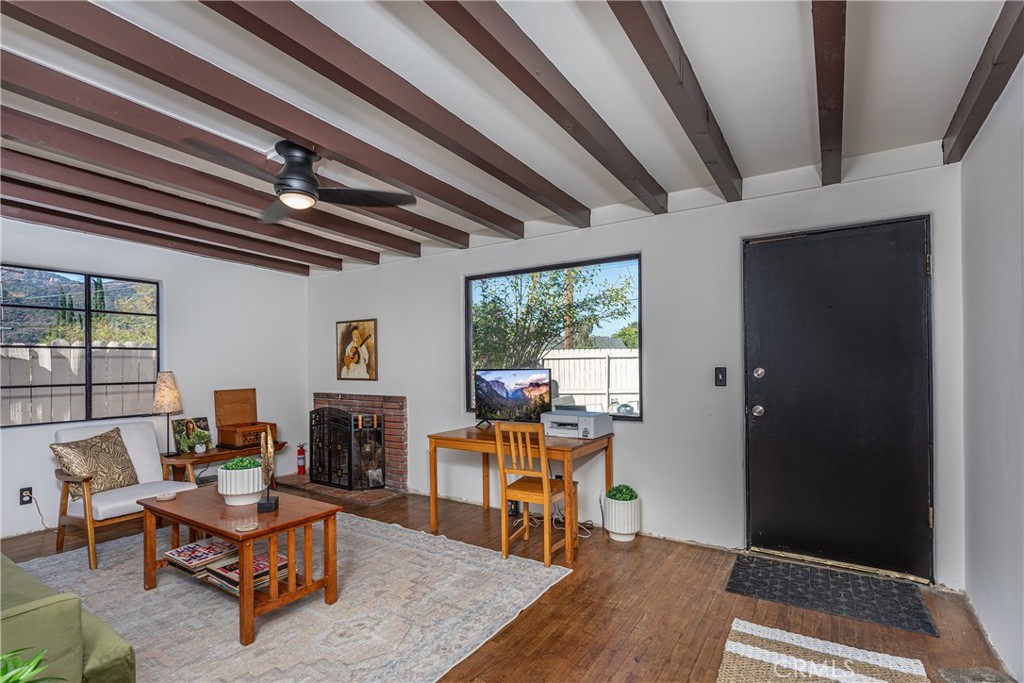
(757, 411)
(758, 373)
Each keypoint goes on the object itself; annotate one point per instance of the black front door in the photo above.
(838, 395)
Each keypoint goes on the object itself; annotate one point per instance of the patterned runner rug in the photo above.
(410, 607)
(758, 654)
(865, 597)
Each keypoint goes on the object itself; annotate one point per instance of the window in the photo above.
(75, 346)
(580, 320)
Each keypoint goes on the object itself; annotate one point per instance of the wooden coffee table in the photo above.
(203, 509)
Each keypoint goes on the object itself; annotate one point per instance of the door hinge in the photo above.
(931, 518)
(927, 265)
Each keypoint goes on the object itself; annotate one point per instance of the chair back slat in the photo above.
(521, 450)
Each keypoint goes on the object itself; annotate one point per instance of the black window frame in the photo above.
(87, 312)
(468, 319)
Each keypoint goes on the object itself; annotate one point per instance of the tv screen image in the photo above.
(512, 395)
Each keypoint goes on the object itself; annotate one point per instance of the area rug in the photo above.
(879, 600)
(410, 607)
(757, 654)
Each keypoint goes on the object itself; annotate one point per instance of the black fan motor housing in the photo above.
(297, 173)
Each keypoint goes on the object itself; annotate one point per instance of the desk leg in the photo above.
(570, 505)
(433, 487)
(486, 457)
(330, 560)
(246, 599)
(149, 548)
(608, 476)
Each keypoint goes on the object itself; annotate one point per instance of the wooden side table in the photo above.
(181, 467)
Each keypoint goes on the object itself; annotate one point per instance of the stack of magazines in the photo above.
(195, 558)
(224, 573)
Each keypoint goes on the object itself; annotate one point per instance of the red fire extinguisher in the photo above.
(301, 455)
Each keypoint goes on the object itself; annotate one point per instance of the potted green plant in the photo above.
(14, 670)
(622, 512)
(240, 481)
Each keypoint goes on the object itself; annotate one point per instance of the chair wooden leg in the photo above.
(526, 522)
(569, 529)
(61, 526)
(90, 530)
(547, 534)
(504, 526)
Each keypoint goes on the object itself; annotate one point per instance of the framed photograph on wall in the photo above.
(191, 432)
(357, 349)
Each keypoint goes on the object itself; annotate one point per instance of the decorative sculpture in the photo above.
(268, 503)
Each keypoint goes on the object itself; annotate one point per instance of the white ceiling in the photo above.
(907, 66)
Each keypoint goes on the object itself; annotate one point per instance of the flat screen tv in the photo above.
(512, 395)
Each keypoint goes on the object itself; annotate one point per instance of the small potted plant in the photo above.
(240, 481)
(622, 512)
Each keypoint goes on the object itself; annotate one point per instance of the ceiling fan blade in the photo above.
(346, 197)
(275, 211)
(230, 160)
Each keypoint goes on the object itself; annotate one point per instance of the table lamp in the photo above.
(167, 400)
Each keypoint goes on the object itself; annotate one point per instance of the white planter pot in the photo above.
(622, 518)
(240, 487)
(200, 448)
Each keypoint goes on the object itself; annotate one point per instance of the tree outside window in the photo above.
(579, 320)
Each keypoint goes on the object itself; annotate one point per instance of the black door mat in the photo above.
(846, 594)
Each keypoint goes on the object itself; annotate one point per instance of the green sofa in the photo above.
(79, 647)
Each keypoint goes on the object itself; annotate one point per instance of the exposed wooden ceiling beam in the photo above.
(57, 219)
(40, 134)
(39, 83)
(829, 19)
(40, 195)
(649, 28)
(296, 33)
(50, 173)
(997, 63)
(486, 26)
(103, 34)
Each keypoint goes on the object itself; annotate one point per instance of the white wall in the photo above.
(224, 326)
(686, 458)
(993, 253)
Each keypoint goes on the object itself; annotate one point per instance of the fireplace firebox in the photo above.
(346, 449)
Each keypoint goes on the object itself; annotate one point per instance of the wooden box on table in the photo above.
(237, 425)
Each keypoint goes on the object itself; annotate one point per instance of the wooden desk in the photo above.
(481, 440)
(203, 509)
(187, 461)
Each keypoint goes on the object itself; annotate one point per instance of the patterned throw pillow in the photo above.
(103, 456)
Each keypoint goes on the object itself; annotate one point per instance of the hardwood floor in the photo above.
(650, 610)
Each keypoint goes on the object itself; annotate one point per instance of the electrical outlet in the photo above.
(25, 495)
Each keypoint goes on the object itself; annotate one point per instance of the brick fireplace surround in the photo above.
(396, 431)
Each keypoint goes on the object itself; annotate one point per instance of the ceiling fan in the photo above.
(296, 185)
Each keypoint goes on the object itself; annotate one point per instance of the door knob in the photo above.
(757, 411)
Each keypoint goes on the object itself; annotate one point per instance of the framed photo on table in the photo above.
(191, 432)
(357, 349)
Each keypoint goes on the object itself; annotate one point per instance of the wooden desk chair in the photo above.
(521, 449)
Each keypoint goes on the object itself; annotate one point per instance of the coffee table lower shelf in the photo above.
(203, 510)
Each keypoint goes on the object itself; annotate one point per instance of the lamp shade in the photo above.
(166, 399)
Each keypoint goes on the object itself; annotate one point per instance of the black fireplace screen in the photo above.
(346, 449)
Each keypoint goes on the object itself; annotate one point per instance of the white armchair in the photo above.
(114, 505)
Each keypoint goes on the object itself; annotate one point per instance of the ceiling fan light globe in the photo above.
(297, 200)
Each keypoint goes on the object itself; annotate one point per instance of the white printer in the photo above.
(577, 424)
